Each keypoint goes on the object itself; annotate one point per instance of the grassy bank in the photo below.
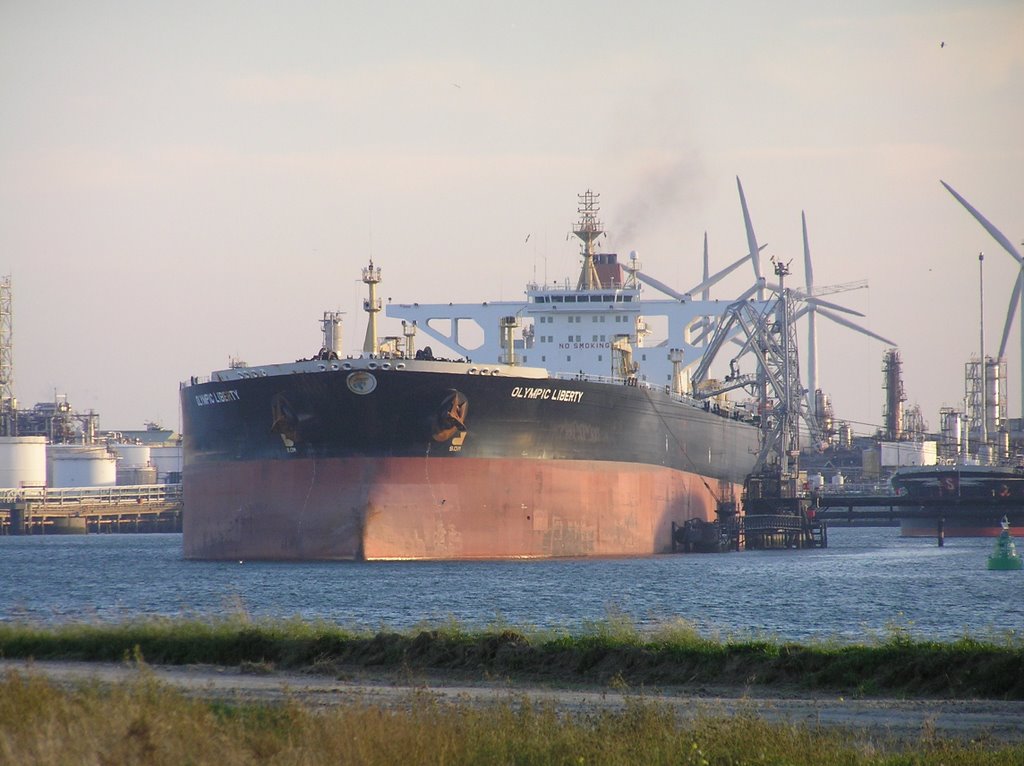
(607, 651)
(146, 723)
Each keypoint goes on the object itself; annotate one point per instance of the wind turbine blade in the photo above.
(813, 305)
(658, 285)
(808, 268)
(853, 326)
(1014, 300)
(819, 303)
(749, 292)
(997, 235)
(751, 238)
(705, 292)
(712, 281)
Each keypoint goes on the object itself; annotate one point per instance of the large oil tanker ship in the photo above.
(577, 438)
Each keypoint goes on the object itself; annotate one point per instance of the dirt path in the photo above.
(969, 719)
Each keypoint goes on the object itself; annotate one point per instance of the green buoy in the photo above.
(1004, 555)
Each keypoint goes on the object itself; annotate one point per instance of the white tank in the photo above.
(132, 455)
(166, 460)
(88, 468)
(58, 451)
(22, 461)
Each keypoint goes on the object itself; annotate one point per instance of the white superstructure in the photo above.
(571, 330)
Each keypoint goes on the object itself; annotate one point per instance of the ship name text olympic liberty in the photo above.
(217, 397)
(547, 394)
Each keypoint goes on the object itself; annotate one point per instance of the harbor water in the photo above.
(868, 583)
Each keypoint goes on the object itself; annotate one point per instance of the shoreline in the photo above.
(903, 719)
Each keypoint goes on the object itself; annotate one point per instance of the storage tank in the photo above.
(22, 461)
(132, 455)
(167, 461)
(89, 467)
(132, 475)
(908, 453)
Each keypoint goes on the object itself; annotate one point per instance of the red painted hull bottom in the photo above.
(425, 508)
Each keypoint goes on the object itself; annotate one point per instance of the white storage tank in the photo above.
(166, 460)
(22, 461)
(132, 455)
(88, 467)
(908, 453)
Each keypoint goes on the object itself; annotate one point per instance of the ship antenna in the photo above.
(588, 229)
(371, 278)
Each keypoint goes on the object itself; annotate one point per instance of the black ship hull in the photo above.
(405, 460)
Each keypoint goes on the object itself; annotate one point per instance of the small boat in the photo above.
(1004, 555)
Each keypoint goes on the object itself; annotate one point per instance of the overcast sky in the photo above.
(184, 182)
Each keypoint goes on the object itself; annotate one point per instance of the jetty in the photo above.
(79, 510)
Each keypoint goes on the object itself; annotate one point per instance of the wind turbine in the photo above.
(812, 335)
(1017, 296)
(752, 247)
(816, 306)
(812, 306)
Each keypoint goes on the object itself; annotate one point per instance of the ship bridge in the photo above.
(571, 330)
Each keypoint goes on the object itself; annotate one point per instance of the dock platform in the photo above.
(81, 510)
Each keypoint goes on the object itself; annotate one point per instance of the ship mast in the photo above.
(588, 229)
(371, 278)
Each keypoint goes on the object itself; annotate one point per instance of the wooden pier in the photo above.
(81, 510)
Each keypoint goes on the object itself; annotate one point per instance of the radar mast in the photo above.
(588, 229)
